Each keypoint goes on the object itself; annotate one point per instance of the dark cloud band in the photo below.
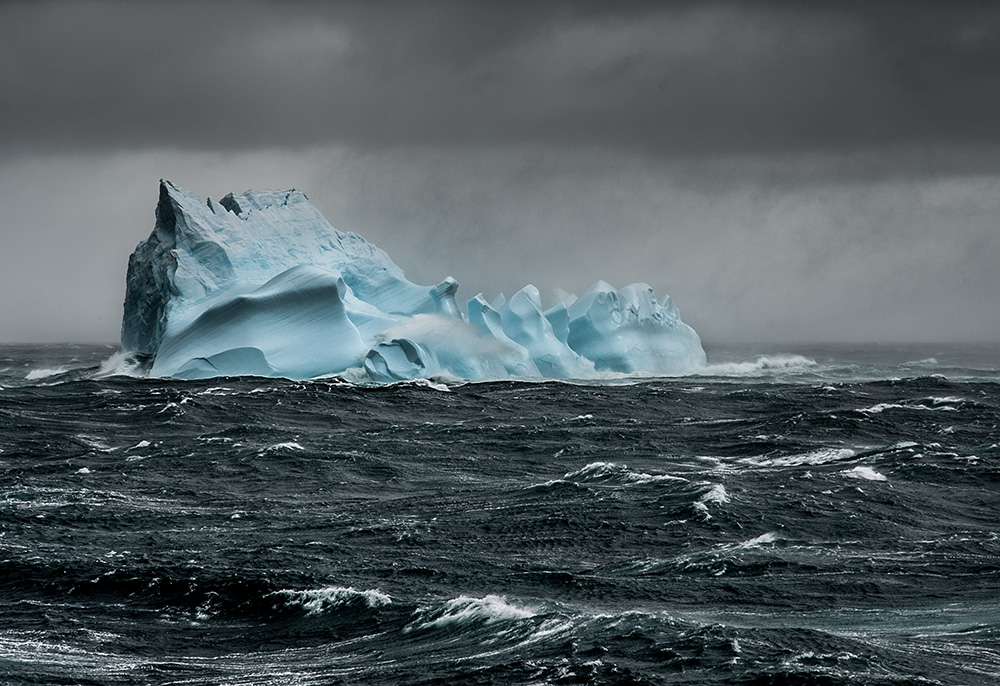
(688, 78)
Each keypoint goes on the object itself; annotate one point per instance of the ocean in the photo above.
(790, 515)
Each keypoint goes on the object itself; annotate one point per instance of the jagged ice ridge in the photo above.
(260, 284)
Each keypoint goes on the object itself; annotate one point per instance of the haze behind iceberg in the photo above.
(261, 284)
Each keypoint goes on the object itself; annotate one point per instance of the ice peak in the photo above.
(260, 200)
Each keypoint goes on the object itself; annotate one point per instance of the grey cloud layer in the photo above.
(785, 170)
(702, 77)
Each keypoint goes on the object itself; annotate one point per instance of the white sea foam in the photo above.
(611, 471)
(422, 383)
(945, 400)
(465, 610)
(319, 600)
(61, 656)
(277, 447)
(763, 365)
(95, 443)
(36, 374)
(710, 422)
(944, 404)
(716, 494)
(119, 364)
(702, 558)
(217, 390)
(815, 457)
(882, 407)
(763, 539)
(862, 472)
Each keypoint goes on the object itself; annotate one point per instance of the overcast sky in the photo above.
(786, 171)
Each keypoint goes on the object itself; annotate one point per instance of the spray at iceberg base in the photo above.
(261, 284)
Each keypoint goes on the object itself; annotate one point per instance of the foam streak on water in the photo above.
(816, 516)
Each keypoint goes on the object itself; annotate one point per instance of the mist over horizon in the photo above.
(786, 173)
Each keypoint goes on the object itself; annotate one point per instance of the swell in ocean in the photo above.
(819, 515)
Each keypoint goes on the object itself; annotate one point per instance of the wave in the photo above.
(753, 553)
(763, 365)
(120, 364)
(930, 403)
(319, 600)
(36, 374)
(715, 494)
(862, 472)
(465, 610)
(611, 473)
(813, 457)
(281, 448)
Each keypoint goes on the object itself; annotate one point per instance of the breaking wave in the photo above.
(466, 610)
(317, 601)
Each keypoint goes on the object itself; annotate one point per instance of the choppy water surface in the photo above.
(807, 516)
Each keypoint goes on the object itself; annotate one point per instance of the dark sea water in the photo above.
(808, 515)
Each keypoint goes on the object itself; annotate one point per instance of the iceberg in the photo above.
(261, 284)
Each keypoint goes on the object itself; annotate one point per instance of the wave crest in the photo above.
(614, 473)
(763, 365)
(466, 610)
(319, 600)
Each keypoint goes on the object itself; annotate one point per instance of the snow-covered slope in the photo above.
(260, 283)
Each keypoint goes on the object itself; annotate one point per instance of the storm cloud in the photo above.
(789, 171)
(666, 77)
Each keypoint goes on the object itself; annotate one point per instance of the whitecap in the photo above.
(421, 383)
(217, 390)
(862, 472)
(36, 374)
(763, 539)
(702, 509)
(944, 404)
(764, 364)
(821, 456)
(95, 443)
(119, 364)
(945, 400)
(882, 407)
(318, 600)
(465, 610)
(288, 445)
(716, 494)
(614, 472)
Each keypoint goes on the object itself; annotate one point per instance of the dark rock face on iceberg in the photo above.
(150, 271)
(260, 283)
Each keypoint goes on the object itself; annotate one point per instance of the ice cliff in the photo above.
(261, 284)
